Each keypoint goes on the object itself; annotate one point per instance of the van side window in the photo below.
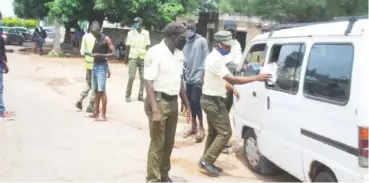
(252, 63)
(328, 73)
(288, 59)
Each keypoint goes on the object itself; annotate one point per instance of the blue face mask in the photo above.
(136, 25)
(222, 51)
(193, 30)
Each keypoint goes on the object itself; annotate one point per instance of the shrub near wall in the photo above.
(16, 22)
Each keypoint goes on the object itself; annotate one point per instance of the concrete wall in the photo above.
(252, 29)
(118, 34)
(251, 25)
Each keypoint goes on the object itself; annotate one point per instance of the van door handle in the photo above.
(268, 103)
(254, 93)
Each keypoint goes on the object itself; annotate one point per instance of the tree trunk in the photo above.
(67, 38)
(56, 45)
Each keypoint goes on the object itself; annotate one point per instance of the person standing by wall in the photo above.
(163, 83)
(195, 52)
(78, 37)
(87, 44)
(138, 41)
(216, 82)
(3, 70)
(43, 34)
(37, 39)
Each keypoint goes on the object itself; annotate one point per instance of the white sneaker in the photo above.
(6, 116)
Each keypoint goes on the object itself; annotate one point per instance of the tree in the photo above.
(61, 10)
(208, 5)
(30, 9)
(293, 11)
(153, 12)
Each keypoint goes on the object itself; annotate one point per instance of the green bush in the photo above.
(30, 23)
(16, 22)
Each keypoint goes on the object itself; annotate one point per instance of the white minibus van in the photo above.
(311, 119)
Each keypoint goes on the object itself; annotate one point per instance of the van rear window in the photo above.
(328, 73)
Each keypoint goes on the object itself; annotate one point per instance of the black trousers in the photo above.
(194, 92)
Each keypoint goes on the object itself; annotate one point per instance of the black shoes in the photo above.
(128, 99)
(210, 168)
(166, 179)
(218, 168)
(79, 105)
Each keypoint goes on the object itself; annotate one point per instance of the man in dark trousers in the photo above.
(43, 34)
(163, 83)
(3, 69)
(195, 52)
(217, 80)
(100, 71)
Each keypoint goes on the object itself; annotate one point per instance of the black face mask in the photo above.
(179, 42)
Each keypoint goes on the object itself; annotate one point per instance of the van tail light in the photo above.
(363, 147)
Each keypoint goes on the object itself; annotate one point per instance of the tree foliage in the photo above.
(290, 11)
(153, 12)
(63, 9)
(30, 8)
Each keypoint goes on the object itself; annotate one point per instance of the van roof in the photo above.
(319, 29)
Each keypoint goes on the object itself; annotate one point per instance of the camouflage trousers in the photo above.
(133, 65)
(162, 138)
(87, 89)
(219, 126)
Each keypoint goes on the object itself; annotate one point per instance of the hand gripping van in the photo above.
(311, 118)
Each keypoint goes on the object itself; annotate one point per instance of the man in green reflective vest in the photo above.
(87, 44)
(138, 41)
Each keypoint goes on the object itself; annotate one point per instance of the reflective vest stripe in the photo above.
(89, 45)
(138, 46)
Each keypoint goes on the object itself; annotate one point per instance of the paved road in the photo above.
(51, 141)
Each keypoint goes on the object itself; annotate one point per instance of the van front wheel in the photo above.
(325, 177)
(251, 151)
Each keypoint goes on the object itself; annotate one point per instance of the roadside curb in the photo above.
(9, 50)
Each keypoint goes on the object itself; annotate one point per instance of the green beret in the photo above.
(224, 37)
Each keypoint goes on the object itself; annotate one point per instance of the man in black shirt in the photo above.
(103, 48)
(3, 69)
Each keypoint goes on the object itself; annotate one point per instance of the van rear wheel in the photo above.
(251, 151)
(325, 176)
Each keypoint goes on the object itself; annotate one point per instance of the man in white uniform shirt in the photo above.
(216, 82)
(164, 82)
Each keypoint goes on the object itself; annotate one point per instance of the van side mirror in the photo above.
(258, 58)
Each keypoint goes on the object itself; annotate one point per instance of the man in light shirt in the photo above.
(138, 41)
(87, 44)
(216, 82)
(163, 83)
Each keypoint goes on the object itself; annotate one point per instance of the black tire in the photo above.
(20, 42)
(325, 176)
(249, 134)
